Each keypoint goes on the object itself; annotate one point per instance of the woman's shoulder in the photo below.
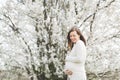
(80, 42)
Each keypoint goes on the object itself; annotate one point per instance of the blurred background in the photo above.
(33, 41)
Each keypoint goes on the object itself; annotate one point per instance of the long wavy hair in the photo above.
(70, 44)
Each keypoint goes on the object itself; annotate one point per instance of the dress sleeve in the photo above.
(80, 51)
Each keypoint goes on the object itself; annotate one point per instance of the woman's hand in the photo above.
(68, 72)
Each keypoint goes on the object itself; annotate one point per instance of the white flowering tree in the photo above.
(34, 39)
(33, 36)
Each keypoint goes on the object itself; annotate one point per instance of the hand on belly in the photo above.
(68, 72)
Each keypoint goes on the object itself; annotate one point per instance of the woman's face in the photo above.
(74, 37)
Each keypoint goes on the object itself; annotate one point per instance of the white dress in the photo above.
(75, 61)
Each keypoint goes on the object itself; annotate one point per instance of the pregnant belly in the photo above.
(77, 67)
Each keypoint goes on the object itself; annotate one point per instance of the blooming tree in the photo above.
(33, 36)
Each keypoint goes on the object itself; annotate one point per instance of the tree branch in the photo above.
(13, 27)
(109, 4)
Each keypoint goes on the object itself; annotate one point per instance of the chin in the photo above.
(73, 41)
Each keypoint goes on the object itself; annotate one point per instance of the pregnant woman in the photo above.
(75, 59)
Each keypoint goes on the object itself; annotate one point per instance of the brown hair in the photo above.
(70, 44)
